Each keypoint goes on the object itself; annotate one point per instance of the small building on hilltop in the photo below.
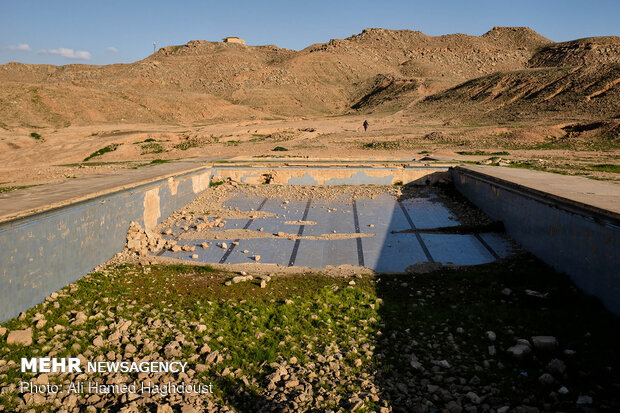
(233, 39)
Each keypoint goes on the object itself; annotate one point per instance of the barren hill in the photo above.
(376, 70)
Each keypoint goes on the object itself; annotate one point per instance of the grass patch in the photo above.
(605, 167)
(104, 150)
(35, 135)
(153, 162)
(368, 328)
(215, 184)
(151, 147)
(279, 149)
(190, 143)
(4, 189)
(483, 153)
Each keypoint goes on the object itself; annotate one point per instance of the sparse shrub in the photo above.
(109, 148)
(151, 148)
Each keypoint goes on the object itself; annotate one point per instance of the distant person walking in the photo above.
(365, 125)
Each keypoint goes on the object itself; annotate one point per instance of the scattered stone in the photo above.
(20, 337)
(205, 246)
(520, 350)
(441, 363)
(257, 258)
(491, 335)
(492, 350)
(537, 294)
(194, 256)
(546, 379)
(556, 366)
(506, 291)
(98, 341)
(583, 400)
(242, 278)
(563, 390)
(473, 397)
(545, 343)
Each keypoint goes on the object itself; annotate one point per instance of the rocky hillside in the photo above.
(376, 70)
(574, 92)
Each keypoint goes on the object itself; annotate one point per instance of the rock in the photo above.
(519, 351)
(224, 246)
(545, 343)
(189, 409)
(473, 397)
(173, 349)
(98, 341)
(491, 335)
(556, 366)
(201, 328)
(460, 330)
(2, 331)
(506, 291)
(130, 348)
(164, 408)
(416, 365)
(204, 349)
(20, 337)
(546, 379)
(503, 409)
(80, 318)
(453, 407)
(583, 400)
(257, 258)
(442, 363)
(492, 350)
(563, 390)
(291, 383)
(263, 284)
(194, 256)
(205, 246)
(213, 357)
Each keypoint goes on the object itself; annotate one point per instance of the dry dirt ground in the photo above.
(74, 152)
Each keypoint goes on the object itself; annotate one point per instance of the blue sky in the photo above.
(110, 31)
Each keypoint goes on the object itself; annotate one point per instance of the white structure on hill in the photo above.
(233, 39)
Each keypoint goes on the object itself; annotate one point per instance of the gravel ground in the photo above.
(462, 339)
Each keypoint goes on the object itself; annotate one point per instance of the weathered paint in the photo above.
(43, 252)
(333, 175)
(574, 240)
